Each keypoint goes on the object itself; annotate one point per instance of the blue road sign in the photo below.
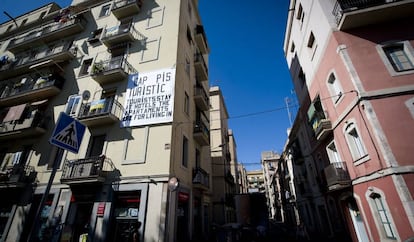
(68, 133)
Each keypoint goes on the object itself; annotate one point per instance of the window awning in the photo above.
(15, 113)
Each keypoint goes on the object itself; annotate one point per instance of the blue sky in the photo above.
(246, 62)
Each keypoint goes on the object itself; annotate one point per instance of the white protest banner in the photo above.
(149, 98)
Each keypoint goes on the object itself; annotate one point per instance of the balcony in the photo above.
(201, 39)
(201, 179)
(33, 124)
(318, 120)
(111, 70)
(17, 176)
(201, 133)
(40, 57)
(200, 67)
(26, 90)
(337, 176)
(121, 34)
(51, 32)
(100, 112)
(356, 13)
(93, 170)
(125, 8)
(201, 98)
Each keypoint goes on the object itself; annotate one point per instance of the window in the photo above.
(198, 158)
(187, 66)
(410, 105)
(186, 103)
(301, 77)
(86, 64)
(96, 145)
(189, 38)
(399, 58)
(105, 10)
(299, 13)
(73, 105)
(333, 153)
(334, 88)
(355, 142)
(311, 40)
(24, 22)
(184, 161)
(9, 28)
(95, 35)
(382, 216)
(292, 47)
(42, 15)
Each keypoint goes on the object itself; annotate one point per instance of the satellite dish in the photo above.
(86, 95)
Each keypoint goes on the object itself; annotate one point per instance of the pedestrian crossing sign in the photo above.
(68, 133)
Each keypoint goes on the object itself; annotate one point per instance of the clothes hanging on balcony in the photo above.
(15, 113)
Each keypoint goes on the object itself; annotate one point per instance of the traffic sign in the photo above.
(68, 133)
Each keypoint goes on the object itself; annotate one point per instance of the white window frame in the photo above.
(103, 13)
(355, 143)
(333, 154)
(335, 88)
(410, 105)
(382, 214)
(408, 50)
(73, 105)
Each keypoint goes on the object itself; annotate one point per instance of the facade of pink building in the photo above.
(352, 65)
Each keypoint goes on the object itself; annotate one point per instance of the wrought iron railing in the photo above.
(122, 29)
(200, 176)
(337, 172)
(122, 3)
(34, 119)
(40, 33)
(343, 6)
(88, 168)
(101, 107)
(17, 173)
(17, 88)
(119, 62)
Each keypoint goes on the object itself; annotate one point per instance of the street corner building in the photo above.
(350, 147)
(134, 74)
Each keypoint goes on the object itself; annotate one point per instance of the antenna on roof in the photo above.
(8, 15)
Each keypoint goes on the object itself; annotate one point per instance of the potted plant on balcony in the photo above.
(97, 68)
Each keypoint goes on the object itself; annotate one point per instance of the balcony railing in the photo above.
(51, 32)
(120, 34)
(125, 8)
(61, 51)
(88, 170)
(200, 67)
(27, 89)
(201, 39)
(321, 125)
(201, 98)
(17, 176)
(337, 176)
(111, 70)
(201, 178)
(31, 125)
(201, 132)
(100, 112)
(354, 13)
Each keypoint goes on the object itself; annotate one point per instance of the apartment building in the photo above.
(255, 181)
(270, 166)
(135, 74)
(352, 66)
(223, 155)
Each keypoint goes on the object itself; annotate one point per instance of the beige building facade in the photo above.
(135, 73)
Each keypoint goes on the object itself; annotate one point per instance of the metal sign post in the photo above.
(68, 134)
